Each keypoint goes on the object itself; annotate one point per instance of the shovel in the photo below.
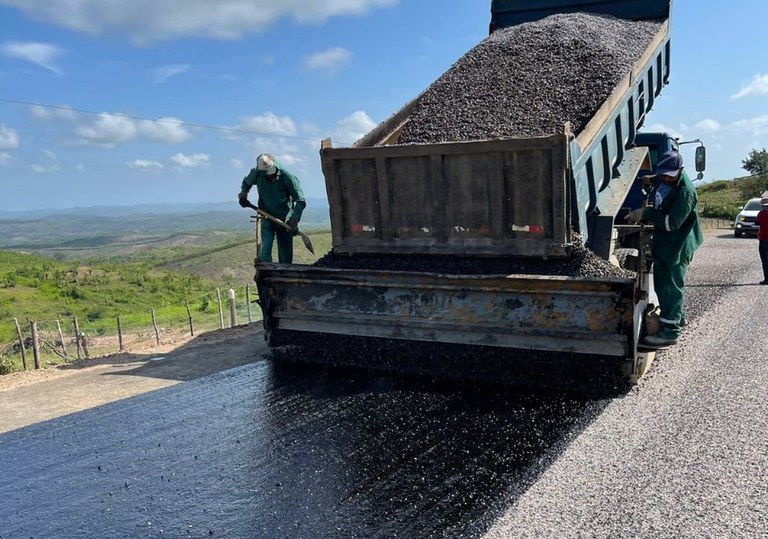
(304, 237)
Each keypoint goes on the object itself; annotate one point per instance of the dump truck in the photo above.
(466, 236)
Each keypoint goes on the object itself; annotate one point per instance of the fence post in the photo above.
(154, 324)
(35, 344)
(189, 317)
(248, 302)
(221, 310)
(232, 308)
(21, 343)
(61, 338)
(120, 347)
(84, 344)
(77, 338)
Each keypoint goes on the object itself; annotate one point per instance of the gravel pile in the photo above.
(581, 263)
(528, 80)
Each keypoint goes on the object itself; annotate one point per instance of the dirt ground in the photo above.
(37, 395)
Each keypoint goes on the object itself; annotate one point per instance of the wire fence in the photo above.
(712, 222)
(43, 343)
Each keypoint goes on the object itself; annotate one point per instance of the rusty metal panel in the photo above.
(569, 314)
(501, 197)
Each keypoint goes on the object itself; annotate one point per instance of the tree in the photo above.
(756, 163)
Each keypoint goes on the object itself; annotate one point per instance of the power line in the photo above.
(171, 122)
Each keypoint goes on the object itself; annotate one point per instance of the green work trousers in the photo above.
(284, 242)
(668, 281)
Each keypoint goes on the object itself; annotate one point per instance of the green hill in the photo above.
(233, 262)
(722, 198)
(96, 292)
(32, 287)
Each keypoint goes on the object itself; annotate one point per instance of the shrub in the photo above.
(95, 314)
(726, 211)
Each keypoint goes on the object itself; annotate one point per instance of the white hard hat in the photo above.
(266, 163)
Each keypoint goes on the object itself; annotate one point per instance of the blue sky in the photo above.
(145, 101)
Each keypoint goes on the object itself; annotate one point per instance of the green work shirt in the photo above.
(676, 230)
(279, 196)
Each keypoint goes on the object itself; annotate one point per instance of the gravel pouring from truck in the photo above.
(424, 185)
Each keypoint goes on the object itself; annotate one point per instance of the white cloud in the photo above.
(168, 130)
(145, 164)
(41, 54)
(236, 164)
(108, 130)
(353, 127)
(43, 169)
(64, 112)
(191, 161)
(268, 124)
(707, 126)
(5, 159)
(51, 166)
(329, 61)
(758, 86)
(163, 73)
(150, 20)
(112, 129)
(674, 132)
(755, 127)
(9, 138)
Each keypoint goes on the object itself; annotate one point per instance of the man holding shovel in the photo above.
(281, 197)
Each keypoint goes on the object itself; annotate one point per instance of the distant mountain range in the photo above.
(141, 209)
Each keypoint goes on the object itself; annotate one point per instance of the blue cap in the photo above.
(670, 164)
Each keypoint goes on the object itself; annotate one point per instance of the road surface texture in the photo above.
(220, 440)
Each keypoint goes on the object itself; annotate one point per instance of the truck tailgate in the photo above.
(556, 313)
(505, 197)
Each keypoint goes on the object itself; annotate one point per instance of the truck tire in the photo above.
(737, 233)
(628, 259)
(274, 337)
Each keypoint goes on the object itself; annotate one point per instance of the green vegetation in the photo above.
(130, 285)
(721, 199)
(32, 287)
(756, 163)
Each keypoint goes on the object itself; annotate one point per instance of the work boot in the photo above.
(664, 337)
(683, 322)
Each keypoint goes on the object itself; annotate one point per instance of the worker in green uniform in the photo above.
(676, 235)
(281, 196)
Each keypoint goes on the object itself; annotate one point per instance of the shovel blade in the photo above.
(307, 242)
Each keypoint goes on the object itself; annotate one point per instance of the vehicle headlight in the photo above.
(742, 218)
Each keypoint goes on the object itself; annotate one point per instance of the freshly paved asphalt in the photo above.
(269, 449)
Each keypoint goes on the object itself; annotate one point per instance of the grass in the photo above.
(130, 286)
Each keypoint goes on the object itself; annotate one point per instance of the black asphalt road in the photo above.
(271, 450)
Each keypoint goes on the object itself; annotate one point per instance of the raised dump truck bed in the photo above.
(535, 198)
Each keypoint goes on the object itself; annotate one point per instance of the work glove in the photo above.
(635, 216)
(294, 224)
(242, 199)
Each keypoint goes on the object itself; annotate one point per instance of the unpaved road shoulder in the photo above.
(33, 396)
